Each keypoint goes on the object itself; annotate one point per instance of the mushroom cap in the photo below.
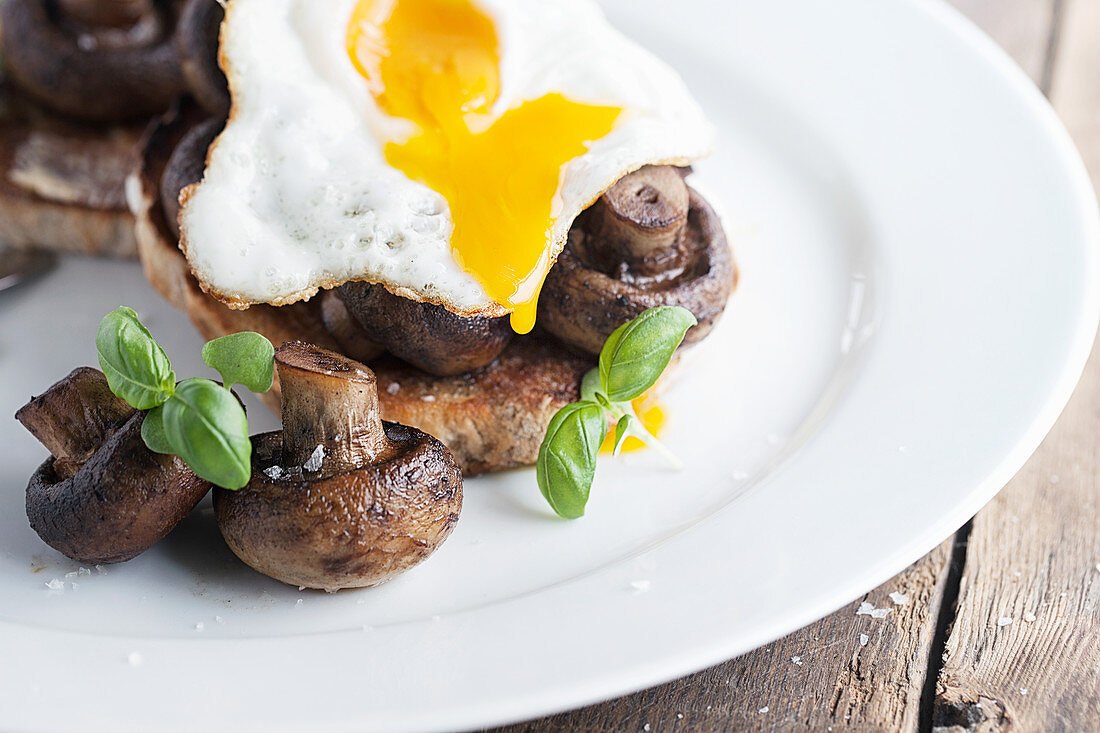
(425, 335)
(121, 502)
(352, 529)
(185, 166)
(91, 83)
(197, 37)
(582, 304)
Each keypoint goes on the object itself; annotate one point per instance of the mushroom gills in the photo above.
(339, 499)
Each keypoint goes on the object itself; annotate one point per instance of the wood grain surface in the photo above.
(948, 659)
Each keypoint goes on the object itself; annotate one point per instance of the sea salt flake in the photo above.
(393, 388)
(899, 599)
(866, 609)
(640, 586)
(797, 660)
(428, 398)
(315, 459)
(763, 710)
(298, 602)
(135, 659)
(1023, 690)
(83, 571)
(1029, 617)
(274, 472)
(645, 727)
(56, 584)
(863, 639)
(1004, 621)
(70, 576)
(100, 570)
(76, 586)
(200, 626)
(679, 716)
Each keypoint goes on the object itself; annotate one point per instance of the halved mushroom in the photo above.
(186, 166)
(103, 497)
(649, 241)
(339, 498)
(427, 336)
(346, 330)
(100, 61)
(197, 44)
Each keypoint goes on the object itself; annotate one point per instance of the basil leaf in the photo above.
(137, 369)
(567, 457)
(590, 385)
(207, 428)
(152, 431)
(637, 352)
(244, 358)
(622, 432)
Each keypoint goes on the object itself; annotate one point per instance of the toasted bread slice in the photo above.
(492, 419)
(62, 182)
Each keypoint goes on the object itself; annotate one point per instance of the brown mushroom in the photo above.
(197, 45)
(346, 330)
(649, 241)
(186, 166)
(339, 498)
(103, 497)
(95, 60)
(425, 335)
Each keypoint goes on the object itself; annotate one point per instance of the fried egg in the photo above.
(441, 148)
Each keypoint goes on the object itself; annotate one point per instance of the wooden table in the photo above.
(1001, 629)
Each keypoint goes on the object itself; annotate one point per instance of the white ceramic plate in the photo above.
(919, 247)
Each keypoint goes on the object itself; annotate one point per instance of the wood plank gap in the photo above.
(1054, 39)
(946, 617)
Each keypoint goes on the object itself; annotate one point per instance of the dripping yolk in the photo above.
(652, 416)
(437, 64)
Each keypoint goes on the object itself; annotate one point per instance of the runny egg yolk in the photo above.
(437, 64)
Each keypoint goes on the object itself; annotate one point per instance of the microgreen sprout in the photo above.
(198, 420)
(631, 362)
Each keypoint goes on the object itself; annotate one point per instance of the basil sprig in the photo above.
(198, 420)
(631, 361)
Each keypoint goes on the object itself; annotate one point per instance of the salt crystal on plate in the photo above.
(428, 398)
(101, 570)
(899, 599)
(83, 571)
(274, 472)
(797, 660)
(863, 639)
(298, 602)
(1004, 621)
(1023, 690)
(1029, 617)
(645, 727)
(200, 626)
(315, 459)
(763, 709)
(56, 584)
(70, 576)
(866, 609)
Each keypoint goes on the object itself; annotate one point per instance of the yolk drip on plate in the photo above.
(650, 413)
(437, 63)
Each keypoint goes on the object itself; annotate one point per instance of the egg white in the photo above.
(297, 194)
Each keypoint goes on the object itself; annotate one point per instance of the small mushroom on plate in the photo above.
(339, 498)
(425, 335)
(95, 60)
(649, 241)
(103, 496)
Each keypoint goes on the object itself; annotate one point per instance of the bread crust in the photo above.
(62, 182)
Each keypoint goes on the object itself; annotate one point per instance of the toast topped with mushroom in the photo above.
(417, 198)
(82, 79)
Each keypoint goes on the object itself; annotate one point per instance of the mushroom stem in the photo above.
(641, 216)
(74, 418)
(105, 13)
(330, 410)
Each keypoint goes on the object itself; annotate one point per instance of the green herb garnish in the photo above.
(198, 420)
(631, 361)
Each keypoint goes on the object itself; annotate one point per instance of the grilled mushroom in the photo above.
(186, 166)
(99, 60)
(197, 45)
(346, 330)
(648, 241)
(338, 499)
(103, 497)
(427, 336)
